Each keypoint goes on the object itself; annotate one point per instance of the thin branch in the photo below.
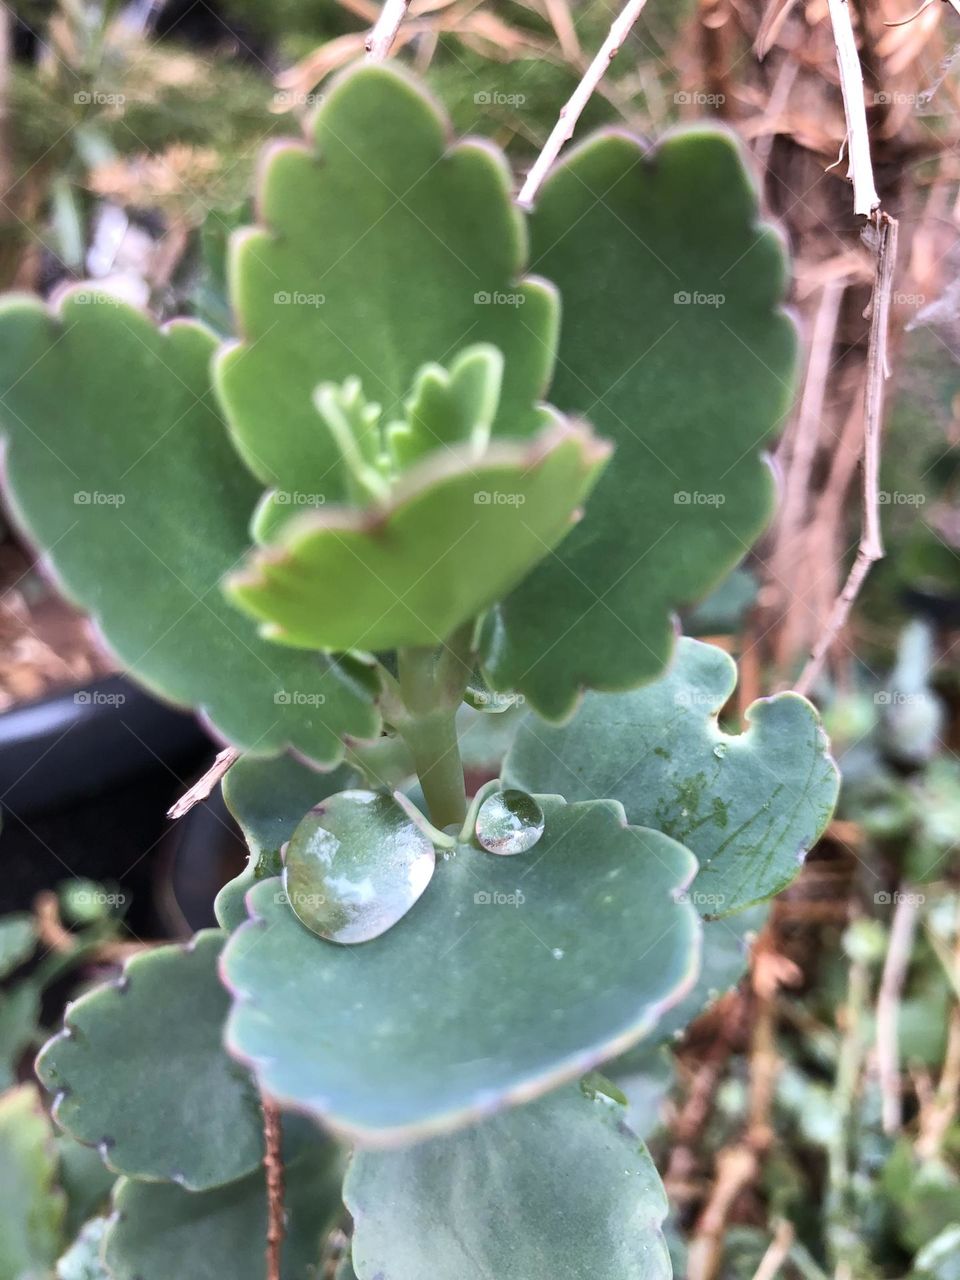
(380, 40)
(778, 1251)
(871, 543)
(201, 789)
(273, 1166)
(569, 115)
(896, 964)
(865, 198)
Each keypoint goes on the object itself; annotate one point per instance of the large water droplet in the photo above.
(355, 865)
(509, 822)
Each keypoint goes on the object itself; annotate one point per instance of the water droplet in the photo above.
(557, 953)
(720, 750)
(355, 865)
(509, 822)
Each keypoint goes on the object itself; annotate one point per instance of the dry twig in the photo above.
(871, 543)
(201, 789)
(569, 114)
(895, 967)
(273, 1166)
(380, 40)
(860, 170)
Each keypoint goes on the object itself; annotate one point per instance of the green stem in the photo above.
(431, 697)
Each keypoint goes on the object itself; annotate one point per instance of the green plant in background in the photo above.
(391, 495)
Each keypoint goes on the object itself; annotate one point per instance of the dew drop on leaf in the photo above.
(509, 822)
(355, 865)
(720, 750)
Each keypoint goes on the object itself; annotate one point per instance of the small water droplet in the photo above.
(720, 750)
(509, 822)
(355, 866)
(557, 953)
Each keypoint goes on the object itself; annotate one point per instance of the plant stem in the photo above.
(433, 743)
(273, 1166)
(844, 1241)
(432, 688)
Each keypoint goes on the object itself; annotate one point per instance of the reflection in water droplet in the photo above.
(509, 822)
(720, 750)
(355, 865)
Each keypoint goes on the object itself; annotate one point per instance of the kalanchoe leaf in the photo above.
(18, 937)
(510, 975)
(155, 1229)
(131, 485)
(748, 805)
(355, 865)
(31, 1206)
(126, 1041)
(449, 407)
(268, 798)
(455, 536)
(674, 346)
(85, 1179)
(383, 249)
(543, 1191)
(82, 1261)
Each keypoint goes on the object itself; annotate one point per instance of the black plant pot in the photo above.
(86, 777)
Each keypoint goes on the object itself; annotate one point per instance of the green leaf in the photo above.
(268, 798)
(131, 486)
(689, 392)
(748, 805)
(450, 406)
(82, 1259)
(31, 1206)
(18, 937)
(557, 1188)
(86, 1180)
(453, 537)
(19, 1027)
(145, 1079)
(223, 1232)
(383, 248)
(509, 976)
